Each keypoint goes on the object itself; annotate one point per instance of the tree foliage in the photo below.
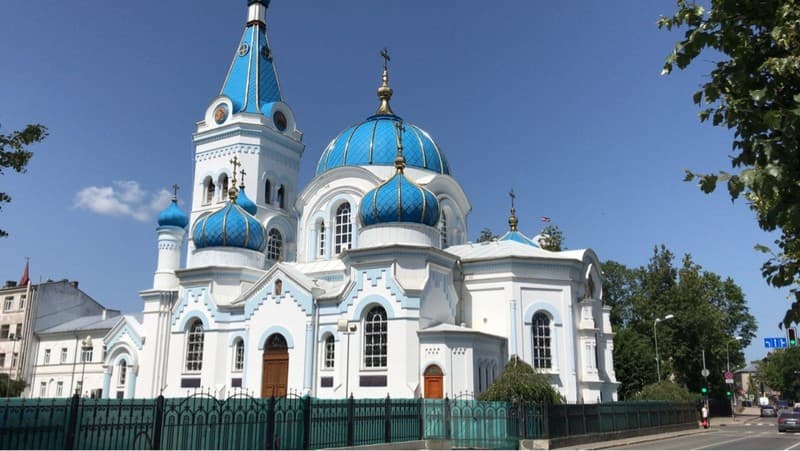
(521, 383)
(13, 389)
(14, 153)
(753, 89)
(709, 312)
(780, 371)
(552, 238)
(666, 391)
(486, 235)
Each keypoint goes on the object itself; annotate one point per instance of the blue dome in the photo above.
(374, 142)
(173, 216)
(229, 226)
(243, 201)
(399, 200)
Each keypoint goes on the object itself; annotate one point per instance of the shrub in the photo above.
(665, 391)
(521, 383)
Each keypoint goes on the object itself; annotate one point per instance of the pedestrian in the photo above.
(704, 415)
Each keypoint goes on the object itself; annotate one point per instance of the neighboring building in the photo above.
(361, 282)
(14, 330)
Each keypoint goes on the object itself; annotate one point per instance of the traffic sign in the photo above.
(728, 375)
(775, 342)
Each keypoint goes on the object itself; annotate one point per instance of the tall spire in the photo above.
(512, 218)
(252, 80)
(23, 281)
(384, 91)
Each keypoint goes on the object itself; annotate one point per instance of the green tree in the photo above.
(14, 153)
(521, 383)
(666, 391)
(552, 238)
(620, 287)
(486, 235)
(634, 362)
(781, 371)
(13, 389)
(753, 89)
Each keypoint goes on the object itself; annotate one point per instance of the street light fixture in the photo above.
(86, 343)
(655, 337)
(347, 328)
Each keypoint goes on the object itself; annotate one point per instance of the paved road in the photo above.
(752, 433)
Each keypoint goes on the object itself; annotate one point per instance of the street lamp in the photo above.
(655, 337)
(348, 329)
(86, 343)
(727, 347)
(14, 339)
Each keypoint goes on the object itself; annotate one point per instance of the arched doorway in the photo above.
(434, 382)
(275, 367)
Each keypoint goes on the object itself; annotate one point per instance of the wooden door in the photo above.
(434, 382)
(275, 368)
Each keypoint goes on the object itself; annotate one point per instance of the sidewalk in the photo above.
(716, 422)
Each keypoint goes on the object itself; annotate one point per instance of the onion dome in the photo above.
(243, 201)
(399, 199)
(173, 215)
(373, 141)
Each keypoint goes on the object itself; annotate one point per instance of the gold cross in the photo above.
(513, 196)
(385, 55)
(175, 191)
(236, 164)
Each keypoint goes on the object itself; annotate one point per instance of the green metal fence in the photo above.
(201, 421)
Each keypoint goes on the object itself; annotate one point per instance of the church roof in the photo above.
(517, 236)
(252, 80)
(230, 226)
(173, 216)
(399, 200)
(488, 250)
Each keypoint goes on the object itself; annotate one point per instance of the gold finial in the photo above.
(233, 192)
(241, 185)
(400, 160)
(175, 192)
(512, 219)
(384, 91)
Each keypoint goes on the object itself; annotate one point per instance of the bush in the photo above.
(521, 383)
(665, 391)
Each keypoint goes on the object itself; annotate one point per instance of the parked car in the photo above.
(768, 411)
(789, 421)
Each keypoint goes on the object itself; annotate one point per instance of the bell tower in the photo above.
(249, 120)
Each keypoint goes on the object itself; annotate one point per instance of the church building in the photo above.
(362, 282)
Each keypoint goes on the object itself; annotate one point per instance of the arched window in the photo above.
(276, 342)
(194, 347)
(281, 197)
(375, 338)
(344, 229)
(223, 182)
(330, 352)
(274, 244)
(443, 230)
(122, 374)
(540, 333)
(321, 239)
(278, 287)
(238, 355)
(267, 191)
(210, 189)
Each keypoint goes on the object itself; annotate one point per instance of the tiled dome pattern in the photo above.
(374, 142)
(231, 226)
(173, 216)
(399, 200)
(245, 202)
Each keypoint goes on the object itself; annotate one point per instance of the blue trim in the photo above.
(125, 330)
(301, 298)
(328, 330)
(234, 336)
(542, 307)
(194, 314)
(372, 276)
(275, 330)
(370, 301)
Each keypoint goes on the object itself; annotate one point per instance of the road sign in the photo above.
(705, 372)
(775, 342)
(728, 375)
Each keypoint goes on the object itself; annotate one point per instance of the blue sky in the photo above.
(561, 101)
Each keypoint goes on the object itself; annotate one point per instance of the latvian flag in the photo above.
(545, 219)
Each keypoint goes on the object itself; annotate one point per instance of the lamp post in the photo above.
(14, 339)
(727, 347)
(655, 337)
(728, 358)
(86, 343)
(348, 329)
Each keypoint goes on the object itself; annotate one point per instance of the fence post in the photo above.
(307, 424)
(351, 410)
(421, 411)
(521, 420)
(583, 415)
(271, 423)
(73, 421)
(159, 423)
(447, 431)
(546, 420)
(387, 420)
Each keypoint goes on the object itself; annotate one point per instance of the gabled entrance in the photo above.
(275, 367)
(434, 382)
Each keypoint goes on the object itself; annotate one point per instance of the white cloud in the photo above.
(123, 198)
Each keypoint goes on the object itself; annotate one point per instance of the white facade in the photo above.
(328, 303)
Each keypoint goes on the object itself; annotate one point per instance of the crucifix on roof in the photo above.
(175, 191)
(386, 59)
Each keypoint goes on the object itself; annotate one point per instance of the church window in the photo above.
(540, 332)
(321, 239)
(276, 342)
(238, 355)
(282, 197)
(194, 347)
(330, 352)
(274, 244)
(122, 372)
(223, 182)
(210, 189)
(278, 287)
(589, 356)
(267, 191)
(344, 229)
(375, 338)
(443, 230)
